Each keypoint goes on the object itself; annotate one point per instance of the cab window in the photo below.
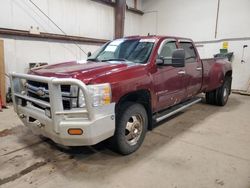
(190, 54)
(167, 50)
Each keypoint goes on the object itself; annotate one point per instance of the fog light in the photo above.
(75, 131)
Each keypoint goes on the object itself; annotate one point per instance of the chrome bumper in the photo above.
(97, 123)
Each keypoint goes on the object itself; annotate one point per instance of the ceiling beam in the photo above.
(51, 36)
(109, 3)
(134, 10)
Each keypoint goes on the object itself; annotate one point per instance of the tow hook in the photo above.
(39, 124)
(22, 116)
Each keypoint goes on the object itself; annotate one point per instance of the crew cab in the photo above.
(119, 92)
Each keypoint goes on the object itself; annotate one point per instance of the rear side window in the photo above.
(190, 53)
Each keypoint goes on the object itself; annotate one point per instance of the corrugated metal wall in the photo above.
(75, 17)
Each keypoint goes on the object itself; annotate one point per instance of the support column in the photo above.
(120, 9)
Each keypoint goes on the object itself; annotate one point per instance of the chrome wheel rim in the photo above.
(225, 94)
(133, 129)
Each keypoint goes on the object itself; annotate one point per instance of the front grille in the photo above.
(66, 104)
(34, 86)
(38, 84)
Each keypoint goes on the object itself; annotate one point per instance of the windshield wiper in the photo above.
(93, 59)
(114, 59)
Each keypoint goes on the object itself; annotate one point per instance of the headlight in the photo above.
(81, 99)
(100, 93)
(74, 96)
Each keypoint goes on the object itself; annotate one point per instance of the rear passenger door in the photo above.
(193, 68)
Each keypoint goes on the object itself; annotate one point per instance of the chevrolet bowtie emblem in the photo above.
(40, 92)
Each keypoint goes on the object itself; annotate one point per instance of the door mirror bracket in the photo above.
(89, 54)
(159, 61)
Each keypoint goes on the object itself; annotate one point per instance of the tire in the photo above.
(211, 97)
(131, 128)
(220, 96)
(223, 92)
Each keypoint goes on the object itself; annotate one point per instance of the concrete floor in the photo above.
(206, 146)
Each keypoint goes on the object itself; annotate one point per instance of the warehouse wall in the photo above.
(180, 18)
(197, 19)
(133, 21)
(90, 19)
(75, 17)
(241, 71)
(132, 24)
(19, 52)
(130, 3)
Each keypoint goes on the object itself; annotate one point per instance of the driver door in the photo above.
(168, 81)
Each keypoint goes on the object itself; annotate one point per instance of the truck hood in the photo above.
(82, 70)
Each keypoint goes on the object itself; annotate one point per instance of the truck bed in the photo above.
(209, 76)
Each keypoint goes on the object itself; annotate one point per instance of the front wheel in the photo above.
(131, 128)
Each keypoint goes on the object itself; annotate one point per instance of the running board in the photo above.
(177, 108)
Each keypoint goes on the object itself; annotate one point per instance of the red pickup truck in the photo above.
(119, 92)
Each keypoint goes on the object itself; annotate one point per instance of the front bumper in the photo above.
(97, 123)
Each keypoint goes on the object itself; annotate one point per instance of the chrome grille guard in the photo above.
(55, 95)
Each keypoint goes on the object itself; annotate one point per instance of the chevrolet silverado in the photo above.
(119, 92)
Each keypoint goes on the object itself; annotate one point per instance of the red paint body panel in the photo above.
(164, 84)
(214, 72)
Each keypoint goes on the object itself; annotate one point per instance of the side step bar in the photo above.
(175, 109)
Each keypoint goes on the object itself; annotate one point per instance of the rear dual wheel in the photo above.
(220, 95)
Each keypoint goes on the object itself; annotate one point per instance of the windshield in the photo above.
(134, 50)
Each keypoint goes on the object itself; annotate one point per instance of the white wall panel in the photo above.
(10, 55)
(196, 19)
(133, 23)
(26, 51)
(234, 20)
(75, 17)
(19, 53)
(24, 15)
(6, 14)
(192, 19)
(241, 71)
(130, 3)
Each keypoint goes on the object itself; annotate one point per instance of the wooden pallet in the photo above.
(248, 89)
(2, 75)
(241, 92)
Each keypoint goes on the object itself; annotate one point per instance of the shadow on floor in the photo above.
(100, 160)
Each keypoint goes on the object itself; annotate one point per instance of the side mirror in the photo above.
(178, 58)
(159, 61)
(89, 54)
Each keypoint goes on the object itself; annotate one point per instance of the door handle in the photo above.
(182, 72)
(198, 68)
